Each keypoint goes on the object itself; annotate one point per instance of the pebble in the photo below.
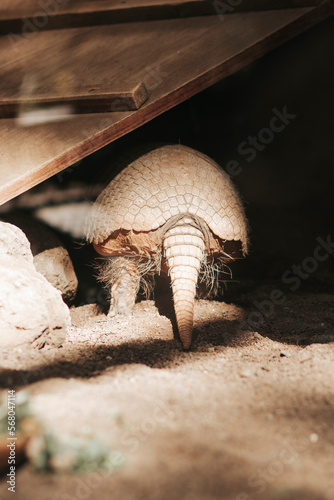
(314, 437)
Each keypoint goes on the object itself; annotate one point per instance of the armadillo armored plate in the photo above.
(164, 183)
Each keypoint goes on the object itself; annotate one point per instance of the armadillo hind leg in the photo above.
(184, 249)
(122, 277)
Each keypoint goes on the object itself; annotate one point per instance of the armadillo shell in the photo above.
(166, 182)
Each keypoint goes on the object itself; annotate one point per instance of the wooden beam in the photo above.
(174, 58)
(17, 16)
(80, 97)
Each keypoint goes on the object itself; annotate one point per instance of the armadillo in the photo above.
(172, 209)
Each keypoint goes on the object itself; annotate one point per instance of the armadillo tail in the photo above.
(184, 249)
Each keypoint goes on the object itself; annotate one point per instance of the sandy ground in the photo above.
(247, 414)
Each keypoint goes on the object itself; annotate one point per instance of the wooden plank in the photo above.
(80, 97)
(175, 59)
(17, 16)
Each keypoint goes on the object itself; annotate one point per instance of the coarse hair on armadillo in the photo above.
(147, 266)
(210, 275)
(108, 271)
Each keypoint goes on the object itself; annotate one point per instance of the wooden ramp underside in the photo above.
(174, 58)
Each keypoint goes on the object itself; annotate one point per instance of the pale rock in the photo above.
(32, 311)
(13, 242)
(51, 258)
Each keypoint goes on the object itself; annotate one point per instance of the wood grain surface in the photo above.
(28, 15)
(175, 59)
